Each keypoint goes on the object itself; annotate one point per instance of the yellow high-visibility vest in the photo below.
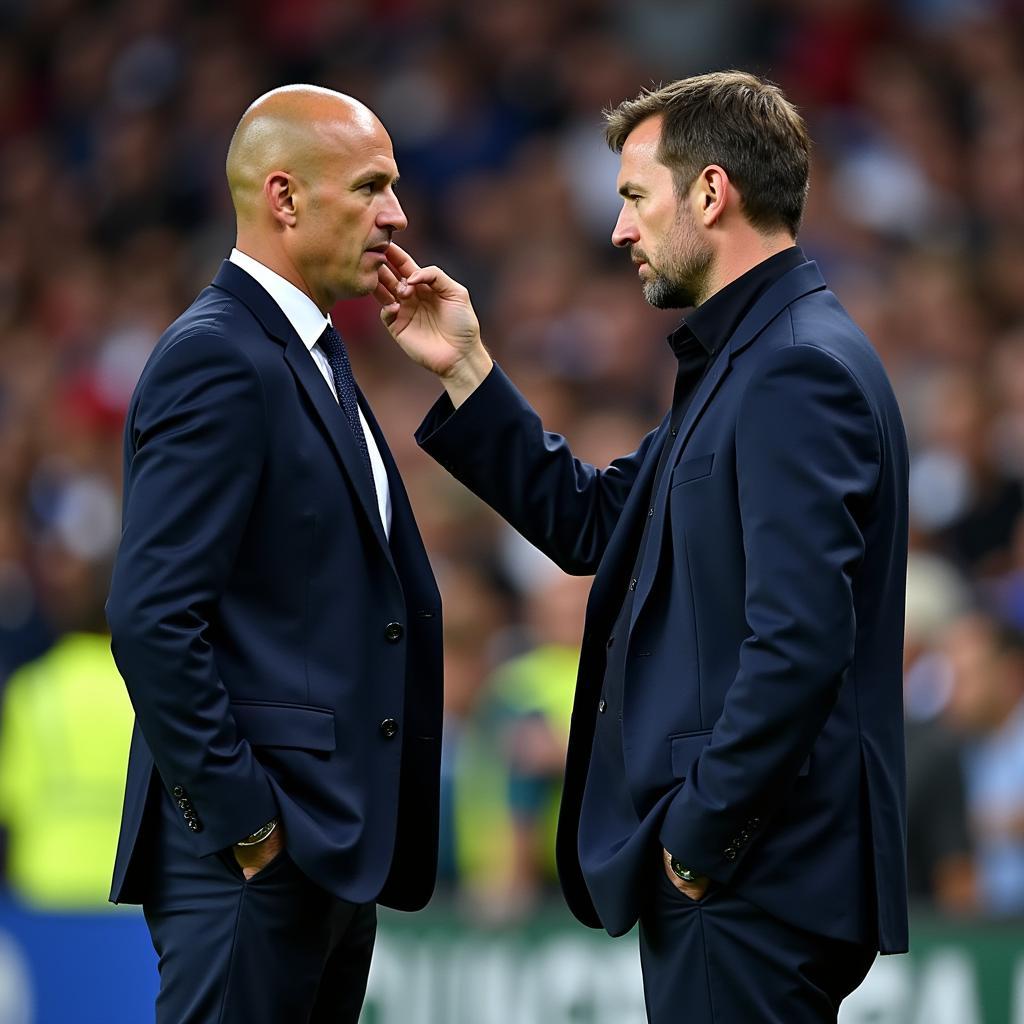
(65, 728)
(542, 681)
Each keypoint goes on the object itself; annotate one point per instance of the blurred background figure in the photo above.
(941, 871)
(986, 658)
(475, 844)
(65, 724)
(532, 697)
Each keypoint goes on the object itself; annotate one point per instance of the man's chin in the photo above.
(661, 295)
(358, 288)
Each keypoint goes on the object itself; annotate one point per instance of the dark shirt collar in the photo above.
(713, 322)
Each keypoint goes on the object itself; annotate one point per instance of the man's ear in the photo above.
(711, 194)
(279, 191)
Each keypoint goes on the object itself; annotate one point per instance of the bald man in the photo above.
(272, 609)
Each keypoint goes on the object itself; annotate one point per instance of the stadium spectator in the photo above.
(64, 730)
(939, 844)
(987, 704)
(532, 696)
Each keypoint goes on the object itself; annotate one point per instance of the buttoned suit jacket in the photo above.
(762, 724)
(282, 655)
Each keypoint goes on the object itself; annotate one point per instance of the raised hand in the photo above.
(432, 319)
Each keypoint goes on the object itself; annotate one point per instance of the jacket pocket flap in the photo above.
(285, 725)
(686, 749)
(692, 469)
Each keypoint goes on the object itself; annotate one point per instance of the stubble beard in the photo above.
(684, 281)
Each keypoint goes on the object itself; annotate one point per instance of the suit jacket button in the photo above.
(602, 705)
(632, 584)
(388, 728)
(178, 791)
(730, 853)
(195, 825)
(744, 836)
(755, 823)
(393, 632)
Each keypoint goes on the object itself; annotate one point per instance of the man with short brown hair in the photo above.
(736, 119)
(735, 774)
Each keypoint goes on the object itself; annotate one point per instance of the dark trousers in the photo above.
(724, 961)
(274, 950)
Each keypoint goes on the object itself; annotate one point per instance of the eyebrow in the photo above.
(378, 178)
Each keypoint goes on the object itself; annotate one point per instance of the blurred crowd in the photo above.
(114, 122)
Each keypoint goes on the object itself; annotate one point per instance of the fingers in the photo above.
(386, 276)
(401, 270)
(400, 261)
(425, 275)
(436, 279)
(384, 295)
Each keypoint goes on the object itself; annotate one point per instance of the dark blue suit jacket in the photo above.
(263, 623)
(762, 716)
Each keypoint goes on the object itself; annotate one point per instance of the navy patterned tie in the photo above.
(337, 355)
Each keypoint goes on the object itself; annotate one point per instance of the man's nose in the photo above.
(393, 216)
(624, 233)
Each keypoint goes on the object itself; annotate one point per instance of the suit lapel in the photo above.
(707, 387)
(613, 573)
(406, 542)
(798, 282)
(238, 283)
(339, 432)
(792, 286)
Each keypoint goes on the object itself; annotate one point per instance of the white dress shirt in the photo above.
(309, 324)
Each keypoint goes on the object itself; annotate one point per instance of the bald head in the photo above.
(312, 177)
(297, 129)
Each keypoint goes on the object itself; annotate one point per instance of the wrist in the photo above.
(260, 835)
(684, 873)
(467, 374)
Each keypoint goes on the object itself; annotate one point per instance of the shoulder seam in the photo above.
(198, 332)
(832, 357)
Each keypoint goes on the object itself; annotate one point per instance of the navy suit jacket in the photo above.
(762, 711)
(266, 628)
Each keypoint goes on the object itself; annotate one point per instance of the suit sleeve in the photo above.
(807, 462)
(496, 445)
(196, 441)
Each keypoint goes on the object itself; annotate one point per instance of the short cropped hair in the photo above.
(738, 121)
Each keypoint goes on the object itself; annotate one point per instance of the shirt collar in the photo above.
(713, 322)
(297, 306)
